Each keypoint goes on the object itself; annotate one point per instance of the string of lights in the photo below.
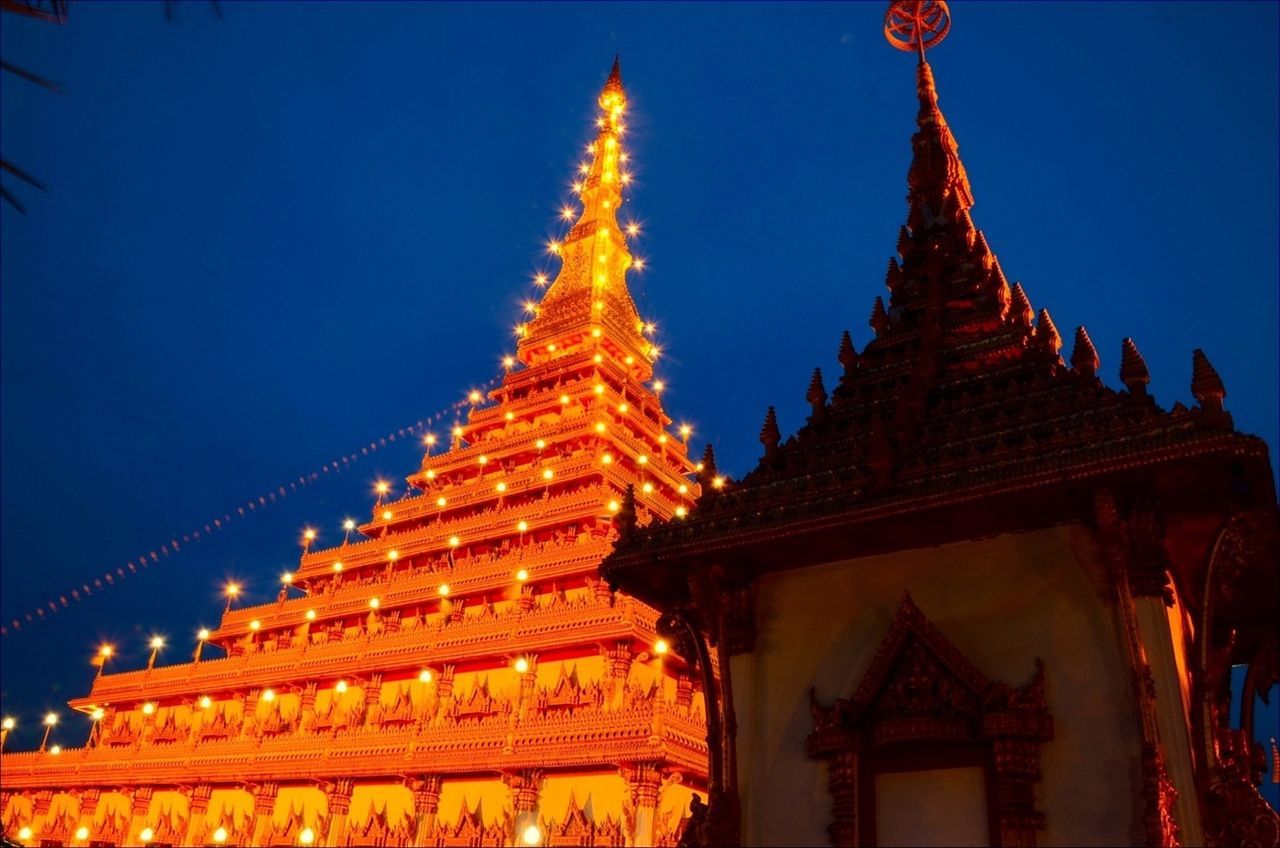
(111, 577)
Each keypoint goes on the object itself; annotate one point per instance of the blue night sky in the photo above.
(274, 238)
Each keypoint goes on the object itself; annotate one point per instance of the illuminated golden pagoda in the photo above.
(461, 675)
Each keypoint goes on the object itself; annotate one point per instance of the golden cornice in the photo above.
(530, 631)
(466, 578)
(590, 738)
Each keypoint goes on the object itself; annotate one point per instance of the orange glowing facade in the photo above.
(460, 675)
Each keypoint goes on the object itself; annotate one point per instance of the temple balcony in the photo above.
(546, 628)
(470, 575)
(645, 730)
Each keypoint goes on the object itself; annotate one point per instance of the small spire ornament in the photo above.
(1133, 369)
(1084, 357)
(770, 435)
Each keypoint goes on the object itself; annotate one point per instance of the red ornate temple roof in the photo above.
(962, 397)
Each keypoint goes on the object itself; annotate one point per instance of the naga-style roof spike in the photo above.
(1084, 356)
(904, 241)
(847, 355)
(1206, 385)
(817, 393)
(879, 318)
(1047, 333)
(1020, 308)
(770, 435)
(1133, 369)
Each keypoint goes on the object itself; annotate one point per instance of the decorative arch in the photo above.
(922, 701)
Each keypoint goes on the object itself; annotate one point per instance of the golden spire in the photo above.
(588, 303)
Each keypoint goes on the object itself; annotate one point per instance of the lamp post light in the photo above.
(104, 653)
(7, 725)
(97, 716)
(202, 636)
(156, 644)
(50, 720)
(347, 527)
(232, 591)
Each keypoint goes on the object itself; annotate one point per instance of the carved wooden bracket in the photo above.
(920, 695)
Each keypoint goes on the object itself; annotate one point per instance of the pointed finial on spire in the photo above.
(1047, 333)
(847, 356)
(1133, 369)
(879, 318)
(1206, 385)
(817, 395)
(770, 435)
(615, 75)
(1084, 356)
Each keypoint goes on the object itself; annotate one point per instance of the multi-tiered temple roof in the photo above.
(466, 633)
(962, 396)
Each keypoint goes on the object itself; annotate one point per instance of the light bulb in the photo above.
(340, 686)
(311, 615)
(660, 647)
(146, 835)
(424, 676)
(268, 695)
(443, 590)
(522, 575)
(206, 702)
(522, 665)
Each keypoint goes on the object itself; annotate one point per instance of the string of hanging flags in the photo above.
(175, 544)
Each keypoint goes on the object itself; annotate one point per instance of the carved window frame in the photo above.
(923, 705)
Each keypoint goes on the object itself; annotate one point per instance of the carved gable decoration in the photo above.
(921, 691)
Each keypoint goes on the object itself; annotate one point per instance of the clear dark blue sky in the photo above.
(273, 238)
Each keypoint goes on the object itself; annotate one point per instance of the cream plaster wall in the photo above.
(1002, 602)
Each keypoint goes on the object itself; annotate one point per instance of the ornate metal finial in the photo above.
(917, 25)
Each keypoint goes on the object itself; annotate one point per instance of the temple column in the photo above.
(528, 681)
(618, 664)
(139, 813)
(372, 697)
(643, 783)
(1147, 572)
(250, 713)
(89, 799)
(525, 787)
(264, 807)
(426, 803)
(444, 693)
(339, 806)
(307, 710)
(197, 809)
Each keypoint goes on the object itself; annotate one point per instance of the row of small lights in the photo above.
(305, 837)
(520, 664)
